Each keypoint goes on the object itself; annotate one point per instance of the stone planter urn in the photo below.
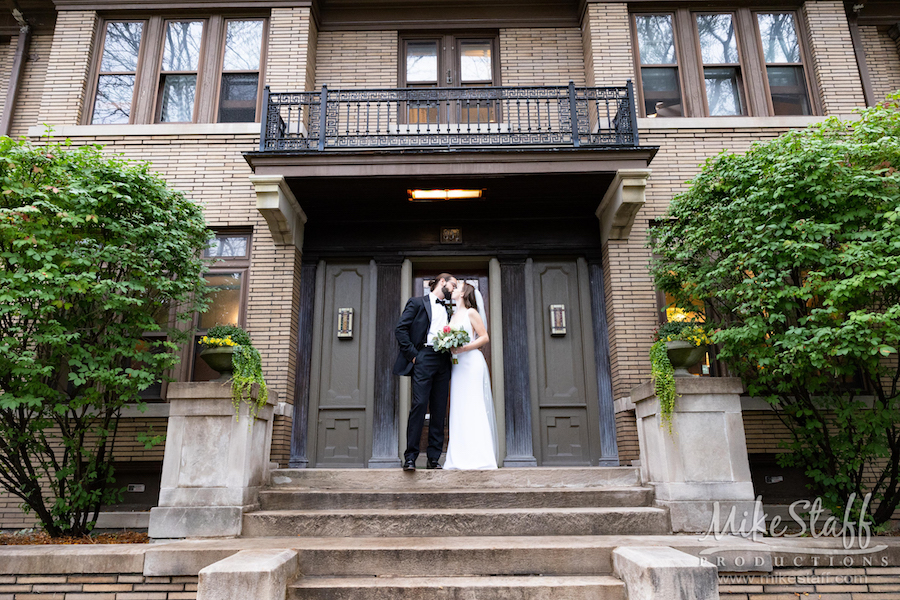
(220, 359)
(683, 355)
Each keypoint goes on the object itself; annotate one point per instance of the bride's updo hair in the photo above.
(468, 296)
(433, 283)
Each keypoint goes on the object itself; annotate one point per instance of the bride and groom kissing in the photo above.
(473, 428)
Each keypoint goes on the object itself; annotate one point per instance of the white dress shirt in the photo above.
(438, 318)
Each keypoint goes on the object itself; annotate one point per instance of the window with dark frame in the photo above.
(668, 45)
(175, 62)
(227, 283)
(451, 60)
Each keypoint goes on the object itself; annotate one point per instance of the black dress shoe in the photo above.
(409, 465)
(434, 465)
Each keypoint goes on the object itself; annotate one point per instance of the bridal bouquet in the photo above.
(450, 337)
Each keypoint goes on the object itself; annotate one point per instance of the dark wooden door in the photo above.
(565, 417)
(342, 370)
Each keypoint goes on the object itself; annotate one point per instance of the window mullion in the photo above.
(148, 67)
(210, 65)
(693, 84)
(753, 70)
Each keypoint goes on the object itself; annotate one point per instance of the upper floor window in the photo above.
(190, 70)
(709, 55)
(784, 63)
(435, 61)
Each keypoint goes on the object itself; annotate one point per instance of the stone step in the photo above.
(397, 479)
(459, 556)
(290, 499)
(458, 588)
(458, 522)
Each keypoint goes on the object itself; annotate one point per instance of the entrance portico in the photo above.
(541, 204)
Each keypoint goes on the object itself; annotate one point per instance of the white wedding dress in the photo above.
(473, 429)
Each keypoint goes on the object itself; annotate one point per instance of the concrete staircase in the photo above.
(510, 534)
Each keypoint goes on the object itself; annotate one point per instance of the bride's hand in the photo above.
(458, 350)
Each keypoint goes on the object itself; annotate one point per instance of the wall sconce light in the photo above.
(345, 324)
(440, 195)
(557, 319)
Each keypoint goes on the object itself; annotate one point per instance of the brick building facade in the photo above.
(323, 229)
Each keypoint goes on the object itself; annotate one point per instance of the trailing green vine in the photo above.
(247, 364)
(663, 376)
(247, 371)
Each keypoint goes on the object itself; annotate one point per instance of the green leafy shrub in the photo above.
(92, 248)
(794, 248)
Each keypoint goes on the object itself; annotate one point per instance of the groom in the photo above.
(422, 319)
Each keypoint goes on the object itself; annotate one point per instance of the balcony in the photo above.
(446, 119)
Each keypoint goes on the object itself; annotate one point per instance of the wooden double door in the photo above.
(562, 399)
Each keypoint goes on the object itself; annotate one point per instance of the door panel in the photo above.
(344, 378)
(564, 421)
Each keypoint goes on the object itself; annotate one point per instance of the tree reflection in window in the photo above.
(178, 80)
(118, 68)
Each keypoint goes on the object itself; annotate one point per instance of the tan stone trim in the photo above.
(623, 404)
(277, 204)
(734, 122)
(179, 129)
(621, 203)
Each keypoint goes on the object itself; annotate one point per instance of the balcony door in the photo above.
(429, 62)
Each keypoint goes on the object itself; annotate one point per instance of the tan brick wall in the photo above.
(857, 582)
(31, 88)
(606, 36)
(130, 586)
(7, 53)
(292, 41)
(127, 449)
(764, 432)
(834, 63)
(631, 298)
(882, 59)
(68, 67)
(551, 56)
(627, 438)
(356, 59)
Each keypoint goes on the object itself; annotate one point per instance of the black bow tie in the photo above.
(448, 306)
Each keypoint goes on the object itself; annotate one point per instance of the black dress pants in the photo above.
(430, 389)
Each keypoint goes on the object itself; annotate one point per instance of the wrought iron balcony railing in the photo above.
(447, 118)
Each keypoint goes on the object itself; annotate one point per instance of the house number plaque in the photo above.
(345, 324)
(557, 319)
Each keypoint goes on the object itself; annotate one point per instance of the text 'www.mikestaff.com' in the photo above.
(822, 579)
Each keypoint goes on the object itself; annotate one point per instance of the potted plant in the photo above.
(678, 346)
(228, 350)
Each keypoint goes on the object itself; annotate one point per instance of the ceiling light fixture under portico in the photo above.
(438, 195)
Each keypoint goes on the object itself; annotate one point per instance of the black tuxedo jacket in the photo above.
(412, 331)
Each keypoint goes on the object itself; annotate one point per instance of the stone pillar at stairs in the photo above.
(701, 469)
(214, 464)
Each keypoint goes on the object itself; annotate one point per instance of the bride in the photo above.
(473, 429)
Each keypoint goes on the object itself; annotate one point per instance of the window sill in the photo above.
(731, 122)
(179, 129)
